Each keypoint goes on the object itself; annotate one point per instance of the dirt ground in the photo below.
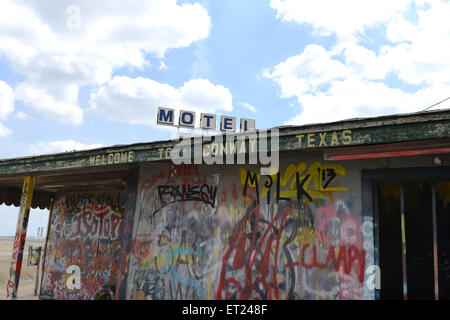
(28, 274)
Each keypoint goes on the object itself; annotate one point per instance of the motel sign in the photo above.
(166, 116)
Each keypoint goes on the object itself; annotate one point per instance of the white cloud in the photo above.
(6, 100)
(21, 115)
(48, 105)
(143, 96)
(307, 72)
(248, 106)
(162, 66)
(343, 18)
(201, 94)
(349, 79)
(421, 51)
(4, 131)
(60, 146)
(57, 61)
(6, 106)
(353, 98)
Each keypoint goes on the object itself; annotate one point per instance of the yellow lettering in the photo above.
(110, 158)
(334, 139)
(311, 140)
(117, 158)
(300, 138)
(98, 159)
(214, 149)
(168, 153)
(123, 157)
(92, 160)
(347, 136)
(322, 139)
(131, 156)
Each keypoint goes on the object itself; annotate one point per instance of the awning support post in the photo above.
(21, 234)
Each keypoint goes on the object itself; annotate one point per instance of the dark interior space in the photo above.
(419, 240)
(418, 206)
(390, 241)
(443, 234)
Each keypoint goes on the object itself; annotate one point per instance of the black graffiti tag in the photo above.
(177, 193)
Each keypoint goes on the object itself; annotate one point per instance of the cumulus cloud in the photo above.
(21, 115)
(4, 131)
(6, 100)
(162, 66)
(6, 106)
(46, 103)
(248, 106)
(143, 96)
(343, 18)
(354, 98)
(307, 72)
(60, 146)
(57, 59)
(349, 79)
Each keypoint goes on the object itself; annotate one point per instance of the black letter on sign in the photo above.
(300, 190)
(278, 189)
(268, 185)
(253, 179)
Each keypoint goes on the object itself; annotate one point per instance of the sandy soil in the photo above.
(28, 274)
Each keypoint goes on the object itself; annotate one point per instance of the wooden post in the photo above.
(38, 269)
(21, 234)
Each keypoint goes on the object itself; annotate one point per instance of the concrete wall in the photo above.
(208, 232)
(85, 231)
(212, 232)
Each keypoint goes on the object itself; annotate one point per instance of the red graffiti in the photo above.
(96, 222)
(255, 258)
(140, 248)
(324, 216)
(10, 285)
(150, 182)
(183, 170)
(347, 257)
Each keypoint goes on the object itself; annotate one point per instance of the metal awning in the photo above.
(47, 186)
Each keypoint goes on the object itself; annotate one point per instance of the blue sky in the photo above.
(82, 74)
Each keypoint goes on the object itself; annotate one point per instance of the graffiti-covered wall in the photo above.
(83, 239)
(225, 232)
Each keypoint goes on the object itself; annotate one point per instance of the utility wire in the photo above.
(436, 104)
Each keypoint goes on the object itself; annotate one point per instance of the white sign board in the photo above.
(186, 119)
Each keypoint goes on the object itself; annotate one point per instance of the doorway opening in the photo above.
(414, 239)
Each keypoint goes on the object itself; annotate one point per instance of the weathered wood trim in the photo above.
(381, 130)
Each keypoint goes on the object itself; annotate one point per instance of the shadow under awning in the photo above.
(47, 187)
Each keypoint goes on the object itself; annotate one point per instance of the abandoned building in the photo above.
(359, 209)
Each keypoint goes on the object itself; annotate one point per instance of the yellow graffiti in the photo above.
(317, 191)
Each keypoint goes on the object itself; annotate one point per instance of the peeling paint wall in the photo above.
(224, 232)
(85, 231)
